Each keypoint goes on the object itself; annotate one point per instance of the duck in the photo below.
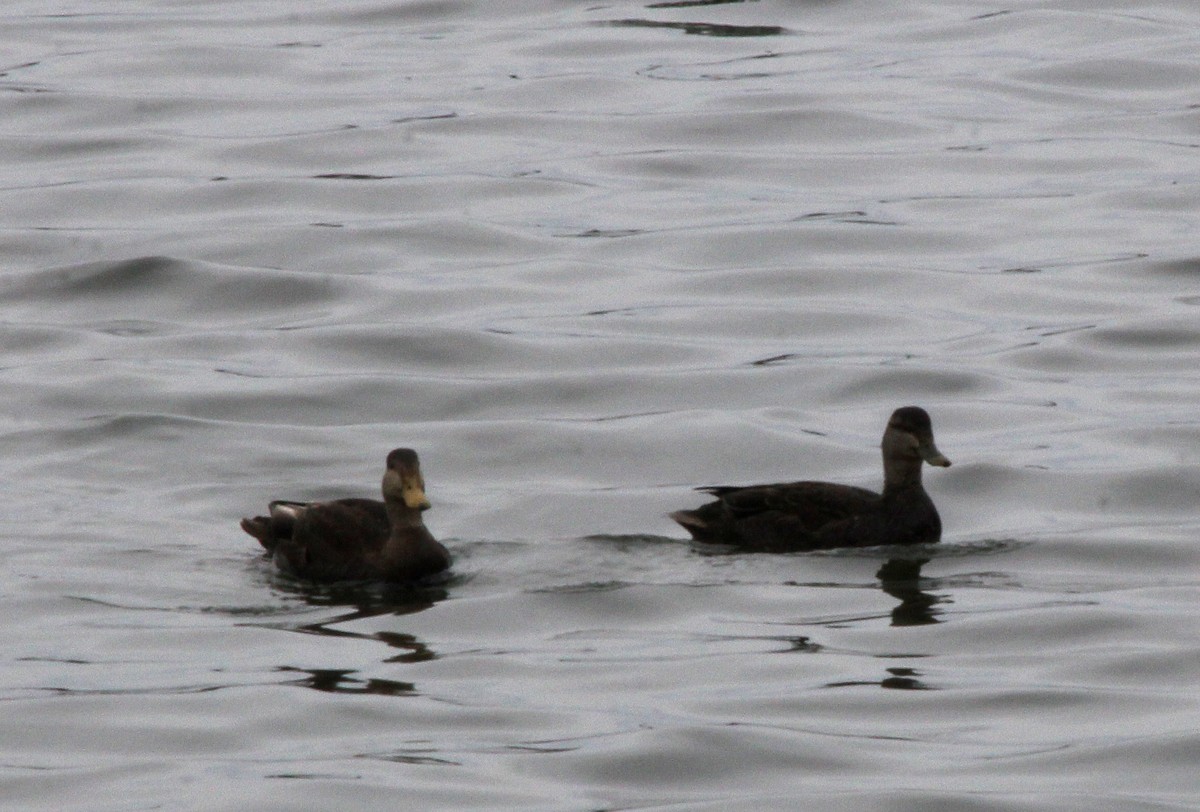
(356, 539)
(802, 516)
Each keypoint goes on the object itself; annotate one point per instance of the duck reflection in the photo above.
(365, 598)
(415, 651)
(903, 679)
(901, 578)
(336, 680)
(898, 679)
(360, 602)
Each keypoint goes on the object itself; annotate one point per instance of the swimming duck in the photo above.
(356, 539)
(797, 516)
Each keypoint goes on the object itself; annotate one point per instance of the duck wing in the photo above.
(780, 517)
(280, 525)
(329, 541)
(809, 505)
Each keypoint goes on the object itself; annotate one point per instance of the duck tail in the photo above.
(260, 528)
(692, 523)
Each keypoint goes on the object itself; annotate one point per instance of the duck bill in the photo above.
(931, 455)
(414, 495)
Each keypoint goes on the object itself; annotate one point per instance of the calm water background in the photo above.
(586, 257)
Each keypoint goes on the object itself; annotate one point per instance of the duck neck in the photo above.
(401, 520)
(401, 515)
(901, 474)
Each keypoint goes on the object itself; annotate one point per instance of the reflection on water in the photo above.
(899, 678)
(900, 578)
(904, 679)
(370, 600)
(340, 681)
(704, 29)
(416, 650)
(693, 3)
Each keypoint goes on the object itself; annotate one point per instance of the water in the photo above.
(585, 258)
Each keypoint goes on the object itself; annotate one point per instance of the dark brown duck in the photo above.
(797, 516)
(356, 539)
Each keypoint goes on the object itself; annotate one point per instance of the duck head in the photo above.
(403, 479)
(909, 438)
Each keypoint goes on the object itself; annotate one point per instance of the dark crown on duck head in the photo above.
(915, 421)
(402, 459)
(912, 419)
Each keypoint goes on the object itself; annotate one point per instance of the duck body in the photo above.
(799, 516)
(356, 539)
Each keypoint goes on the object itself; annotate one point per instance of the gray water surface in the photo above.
(585, 258)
